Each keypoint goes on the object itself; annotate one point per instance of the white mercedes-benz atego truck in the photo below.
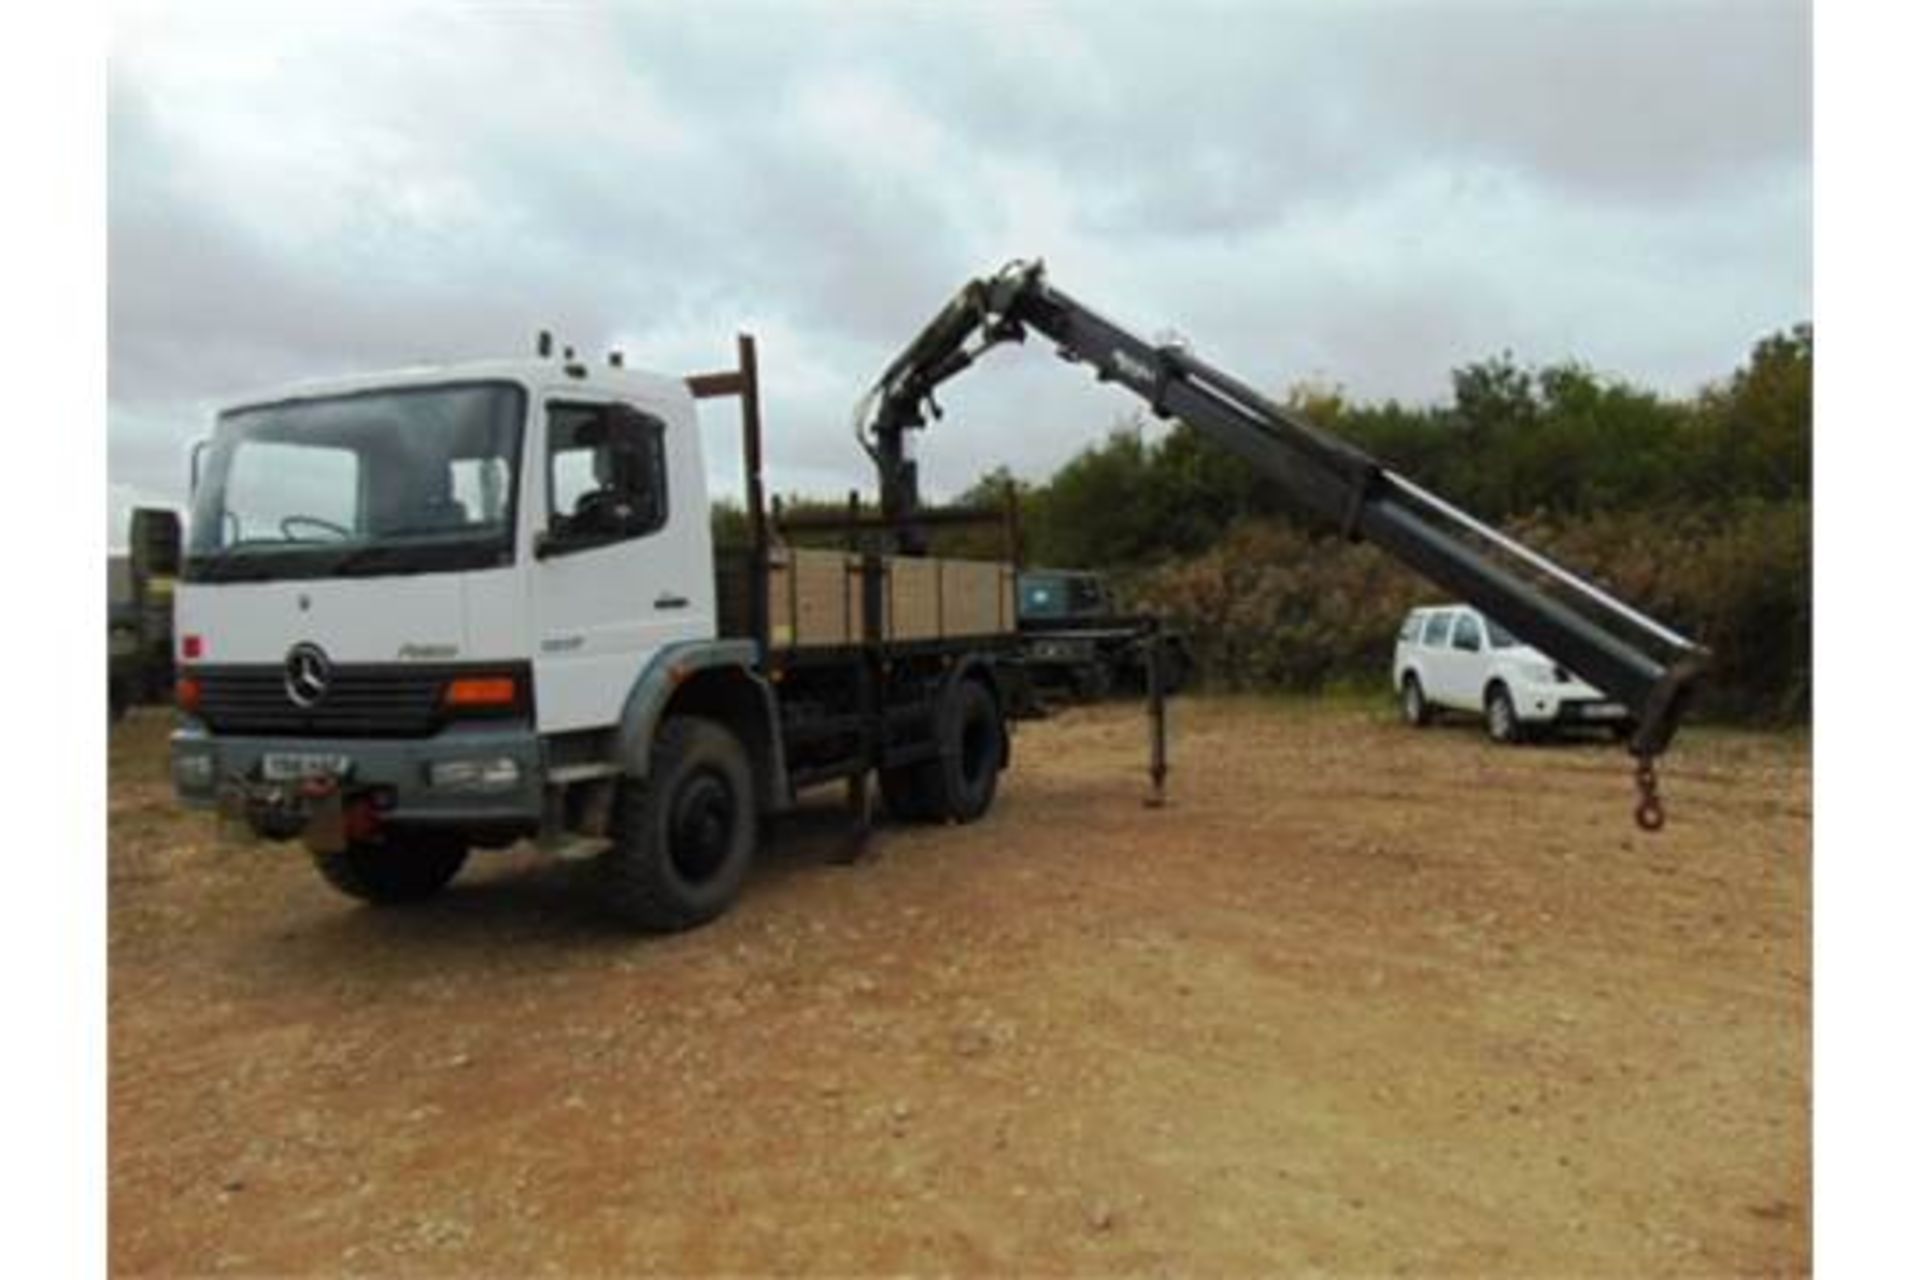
(453, 608)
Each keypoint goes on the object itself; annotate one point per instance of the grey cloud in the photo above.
(1365, 194)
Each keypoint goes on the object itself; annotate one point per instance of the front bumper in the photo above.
(1564, 705)
(397, 774)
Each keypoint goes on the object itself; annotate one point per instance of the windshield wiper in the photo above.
(211, 562)
(406, 541)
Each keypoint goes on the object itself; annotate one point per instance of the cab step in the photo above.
(573, 847)
(565, 775)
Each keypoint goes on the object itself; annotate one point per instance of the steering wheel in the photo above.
(287, 523)
(607, 511)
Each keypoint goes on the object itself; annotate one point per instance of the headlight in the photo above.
(1538, 672)
(475, 775)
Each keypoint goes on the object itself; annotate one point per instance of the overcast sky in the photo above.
(1366, 194)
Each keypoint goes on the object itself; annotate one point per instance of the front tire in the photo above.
(1414, 707)
(1503, 720)
(683, 836)
(396, 869)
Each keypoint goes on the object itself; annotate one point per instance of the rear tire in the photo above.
(964, 778)
(397, 869)
(1414, 707)
(683, 836)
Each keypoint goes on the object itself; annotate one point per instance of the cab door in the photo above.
(1466, 661)
(1438, 663)
(622, 552)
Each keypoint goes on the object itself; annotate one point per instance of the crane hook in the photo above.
(1649, 814)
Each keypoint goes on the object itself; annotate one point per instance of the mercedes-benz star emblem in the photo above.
(308, 673)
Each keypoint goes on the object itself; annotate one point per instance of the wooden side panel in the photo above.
(814, 598)
(824, 607)
(971, 598)
(913, 596)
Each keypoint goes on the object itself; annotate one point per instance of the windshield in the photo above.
(1498, 636)
(376, 482)
(1058, 595)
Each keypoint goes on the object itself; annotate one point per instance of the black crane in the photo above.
(1645, 665)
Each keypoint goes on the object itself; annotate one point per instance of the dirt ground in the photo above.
(1361, 1001)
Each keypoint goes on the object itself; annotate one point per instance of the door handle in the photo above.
(669, 601)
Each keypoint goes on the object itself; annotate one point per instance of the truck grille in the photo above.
(360, 701)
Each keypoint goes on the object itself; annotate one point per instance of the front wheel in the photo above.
(395, 869)
(1414, 708)
(1503, 721)
(683, 836)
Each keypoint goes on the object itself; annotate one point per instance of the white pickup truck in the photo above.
(1455, 658)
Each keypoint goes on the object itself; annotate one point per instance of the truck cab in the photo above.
(419, 563)
(433, 586)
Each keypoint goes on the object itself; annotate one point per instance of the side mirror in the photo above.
(193, 466)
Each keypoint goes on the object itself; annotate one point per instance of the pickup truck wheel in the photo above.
(683, 836)
(399, 868)
(973, 747)
(1414, 708)
(1503, 722)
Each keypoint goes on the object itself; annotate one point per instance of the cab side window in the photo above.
(1436, 633)
(606, 473)
(1466, 634)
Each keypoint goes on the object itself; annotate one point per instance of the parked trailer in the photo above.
(1077, 640)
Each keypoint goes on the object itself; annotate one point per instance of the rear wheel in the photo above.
(1503, 721)
(959, 784)
(1414, 708)
(683, 836)
(966, 775)
(397, 868)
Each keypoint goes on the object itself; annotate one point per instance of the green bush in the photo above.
(1272, 606)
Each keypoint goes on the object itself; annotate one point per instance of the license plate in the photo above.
(1603, 711)
(291, 766)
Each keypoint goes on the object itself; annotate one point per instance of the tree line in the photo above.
(1696, 508)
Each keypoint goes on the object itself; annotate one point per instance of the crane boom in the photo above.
(1632, 658)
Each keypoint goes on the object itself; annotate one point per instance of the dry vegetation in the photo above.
(1362, 1001)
